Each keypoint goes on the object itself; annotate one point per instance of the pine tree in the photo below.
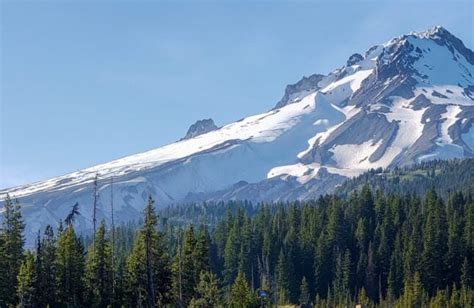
(207, 291)
(341, 278)
(467, 280)
(3, 272)
(371, 281)
(395, 276)
(201, 252)
(282, 275)
(26, 281)
(232, 249)
(148, 266)
(413, 293)
(99, 270)
(70, 265)
(12, 250)
(184, 269)
(47, 282)
(240, 295)
(434, 244)
(38, 272)
(323, 264)
(304, 294)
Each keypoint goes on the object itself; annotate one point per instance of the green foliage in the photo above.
(207, 291)
(26, 288)
(47, 269)
(240, 295)
(11, 250)
(148, 265)
(445, 176)
(376, 248)
(304, 293)
(70, 265)
(99, 270)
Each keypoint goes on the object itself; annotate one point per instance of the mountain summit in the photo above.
(406, 101)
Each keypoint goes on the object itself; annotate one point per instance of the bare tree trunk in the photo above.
(113, 238)
(94, 213)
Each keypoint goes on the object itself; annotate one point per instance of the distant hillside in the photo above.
(444, 176)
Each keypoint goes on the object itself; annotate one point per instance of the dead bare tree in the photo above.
(94, 213)
(113, 237)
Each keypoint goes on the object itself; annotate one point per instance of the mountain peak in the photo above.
(432, 32)
(406, 101)
(440, 36)
(200, 127)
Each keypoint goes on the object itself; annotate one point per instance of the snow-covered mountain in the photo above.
(408, 100)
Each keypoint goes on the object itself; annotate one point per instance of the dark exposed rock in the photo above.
(437, 94)
(305, 84)
(354, 59)
(199, 128)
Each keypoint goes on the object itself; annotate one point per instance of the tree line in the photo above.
(376, 249)
(446, 176)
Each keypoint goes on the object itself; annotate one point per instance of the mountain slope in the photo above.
(445, 176)
(406, 101)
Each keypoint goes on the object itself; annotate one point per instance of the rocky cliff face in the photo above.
(405, 101)
(200, 127)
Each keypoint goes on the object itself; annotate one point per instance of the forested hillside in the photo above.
(371, 248)
(446, 176)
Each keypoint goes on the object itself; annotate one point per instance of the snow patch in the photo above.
(448, 118)
(354, 156)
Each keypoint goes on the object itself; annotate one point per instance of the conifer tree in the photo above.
(47, 255)
(283, 272)
(99, 270)
(371, 280)
(240, 295)
(26, 289)
(38, 272)
(413, 293)
(207, 291)
(148, 266)
(184, 269)
(304, 294)
(467, 279)
(341, 278)
(70, 266)
(201, 252)
(434, 243)
(12, 250)
(395, 276)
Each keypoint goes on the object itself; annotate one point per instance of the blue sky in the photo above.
(86, 82)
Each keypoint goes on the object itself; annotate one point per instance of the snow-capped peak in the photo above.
(408, 100)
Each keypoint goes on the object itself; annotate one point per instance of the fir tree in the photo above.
(304, 294)
(184, 269)
(26, 281)
(99, 270)
(434, 244)
(70, 265)
(47, 283)
(240, 295)
(12, 250)
(148, 266)
(207, 291)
